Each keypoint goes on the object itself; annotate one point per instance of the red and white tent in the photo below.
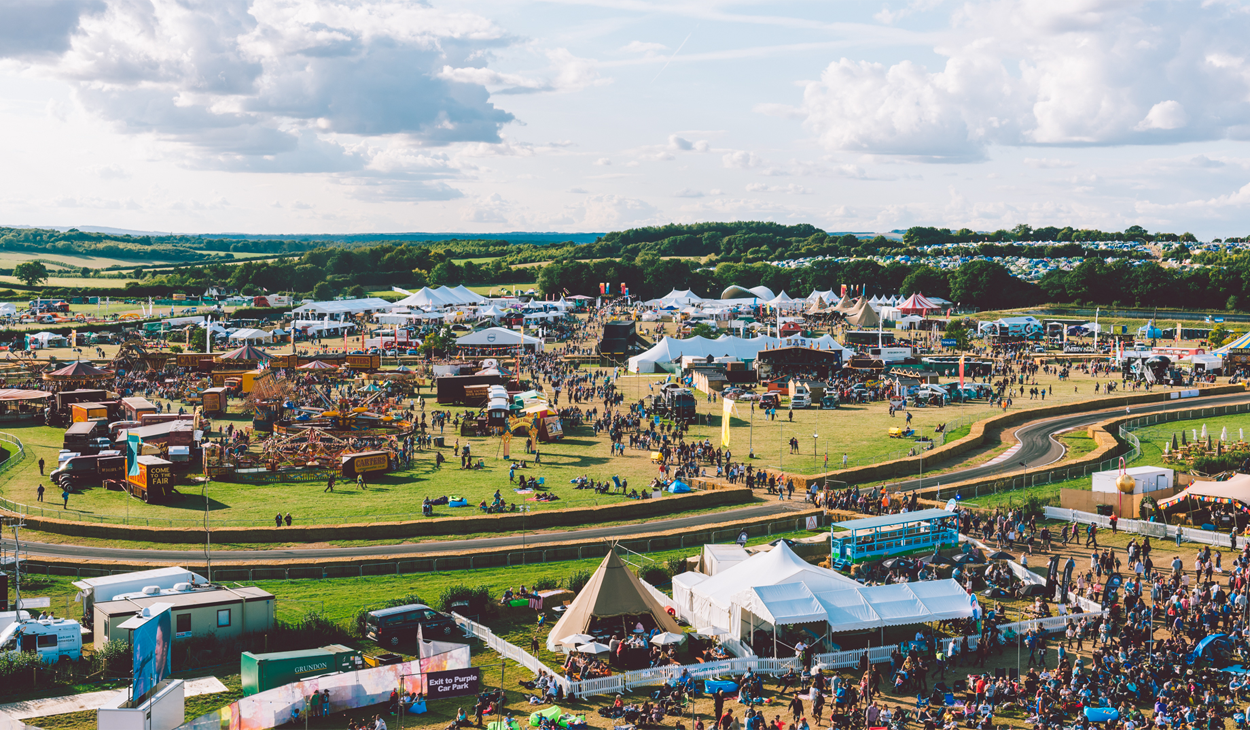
(918, 304)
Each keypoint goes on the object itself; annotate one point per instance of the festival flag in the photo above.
(727, 411)
(961, 371)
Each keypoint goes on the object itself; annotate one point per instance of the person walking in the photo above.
(329, 485)
(65, 496)
(41, 465)
(39, 493)
(360, 482)
(277, 520)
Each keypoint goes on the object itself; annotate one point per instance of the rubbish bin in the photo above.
(439, 442)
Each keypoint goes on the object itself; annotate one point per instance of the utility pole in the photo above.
(208, 535)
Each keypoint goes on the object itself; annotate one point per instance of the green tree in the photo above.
(958, 331)
(199, 340)
(323, 292)
(927, 280)
(703, 329)
(31, 272)
(983, 284)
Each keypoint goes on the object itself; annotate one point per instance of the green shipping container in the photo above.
(266, 671)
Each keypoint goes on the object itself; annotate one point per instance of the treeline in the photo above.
(981, 284)
(929, 236)
(327, 272)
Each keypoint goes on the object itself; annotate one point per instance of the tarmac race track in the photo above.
(1037, 448)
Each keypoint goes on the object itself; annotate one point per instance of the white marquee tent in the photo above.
(669, 349)
(248, 334)
(499, 337)
(785, 590)
(709, 600)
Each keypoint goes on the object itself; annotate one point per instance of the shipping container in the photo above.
(260, 672)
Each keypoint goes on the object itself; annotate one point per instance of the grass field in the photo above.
(341, 599)
(1152, 441)
(860, 431)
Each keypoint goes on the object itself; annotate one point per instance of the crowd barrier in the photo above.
(652, 676)
(1157, 530)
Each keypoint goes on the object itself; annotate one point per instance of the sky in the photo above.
(295, 116)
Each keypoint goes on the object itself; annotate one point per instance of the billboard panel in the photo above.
(151, 644)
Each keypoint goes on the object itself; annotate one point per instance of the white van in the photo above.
(802, 397)
(54, 639)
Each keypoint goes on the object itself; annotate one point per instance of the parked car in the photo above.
(394, 626)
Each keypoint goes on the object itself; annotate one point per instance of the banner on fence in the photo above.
(347, 691)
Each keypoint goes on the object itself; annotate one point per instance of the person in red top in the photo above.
(980, 689)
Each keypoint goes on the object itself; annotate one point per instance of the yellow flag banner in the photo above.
(727, 411)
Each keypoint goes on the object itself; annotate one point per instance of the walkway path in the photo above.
(96, 700)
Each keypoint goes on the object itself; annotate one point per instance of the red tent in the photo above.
(918, 304)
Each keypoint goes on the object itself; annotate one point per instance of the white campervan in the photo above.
(53, 639)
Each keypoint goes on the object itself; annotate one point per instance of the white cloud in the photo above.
(1053, 72)
(741, 159)
(647, 49)
(1044, 163)
(603, 161)
(679, 143)
(688, 193)
(1164, 115)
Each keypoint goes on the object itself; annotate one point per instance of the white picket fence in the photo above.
(654, 676)
(1150, 529)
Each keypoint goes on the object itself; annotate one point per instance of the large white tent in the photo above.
(669, 349)
(248, 334)
(676, 298)
(499, 337)
(709, 601)
(777, 588)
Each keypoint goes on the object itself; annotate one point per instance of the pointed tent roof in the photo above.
(816, 306)
(863, 315)
(317, 365)
(845, 305)
(469, 296)
(81, 370)
(613, 590)
(918, 304)
(247, 352)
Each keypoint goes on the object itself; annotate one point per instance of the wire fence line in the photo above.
(1130, 433)
(510, 557)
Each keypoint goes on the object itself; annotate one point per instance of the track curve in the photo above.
(1037, 448)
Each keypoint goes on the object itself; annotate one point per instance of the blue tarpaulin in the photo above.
(678, 487)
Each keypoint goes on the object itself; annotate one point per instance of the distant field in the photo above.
(497, 289)
(72, 282)
(9, 259)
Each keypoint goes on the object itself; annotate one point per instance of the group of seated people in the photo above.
(713, 653)
(580, 667)
(520, 592)
(546, 690)
(497, 507)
